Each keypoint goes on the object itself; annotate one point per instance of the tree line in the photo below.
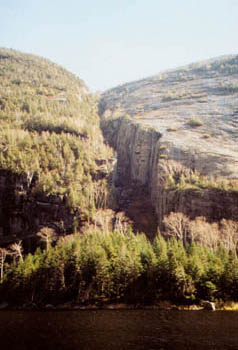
(101, 267)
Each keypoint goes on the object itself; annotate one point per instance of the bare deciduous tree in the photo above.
(204, 232)
(177, 225)
(16, 249)
(122, 223)
(3, 255)
(229, 234)
(47, 235)
(198, 230)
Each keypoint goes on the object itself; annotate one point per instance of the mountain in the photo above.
(175, 135)
(176, 138)
(53, 161)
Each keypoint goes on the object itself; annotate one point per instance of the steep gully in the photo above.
(139, 179)
(141, 173)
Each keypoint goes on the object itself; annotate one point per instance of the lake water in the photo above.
(119, 330)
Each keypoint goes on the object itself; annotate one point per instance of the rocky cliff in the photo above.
(179, 142)
(23, 214)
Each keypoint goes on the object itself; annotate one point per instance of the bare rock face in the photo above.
(23, 213)
(178, 148)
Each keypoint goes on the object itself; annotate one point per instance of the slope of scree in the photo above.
(176, 138)
(54, 164)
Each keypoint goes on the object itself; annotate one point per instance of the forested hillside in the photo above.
(49, 139)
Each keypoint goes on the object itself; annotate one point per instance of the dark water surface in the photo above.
(118, 329)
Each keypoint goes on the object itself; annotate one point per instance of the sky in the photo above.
(110, 42)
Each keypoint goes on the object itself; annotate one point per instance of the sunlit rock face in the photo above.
(175, 131)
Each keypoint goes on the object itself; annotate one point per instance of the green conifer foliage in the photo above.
(100, 267)
(49, 125)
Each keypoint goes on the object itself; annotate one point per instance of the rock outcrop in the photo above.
(178, 148)
(208, 305)
(23, 213)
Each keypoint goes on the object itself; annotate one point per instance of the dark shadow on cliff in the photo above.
(213, 204)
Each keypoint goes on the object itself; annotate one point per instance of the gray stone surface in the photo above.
(157, 139)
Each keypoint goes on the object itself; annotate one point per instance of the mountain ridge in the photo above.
(196, 63)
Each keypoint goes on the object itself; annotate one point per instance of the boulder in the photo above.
(208, 305)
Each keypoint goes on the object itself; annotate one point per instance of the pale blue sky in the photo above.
(109, 42)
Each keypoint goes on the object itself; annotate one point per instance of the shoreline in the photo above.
(166, 306)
